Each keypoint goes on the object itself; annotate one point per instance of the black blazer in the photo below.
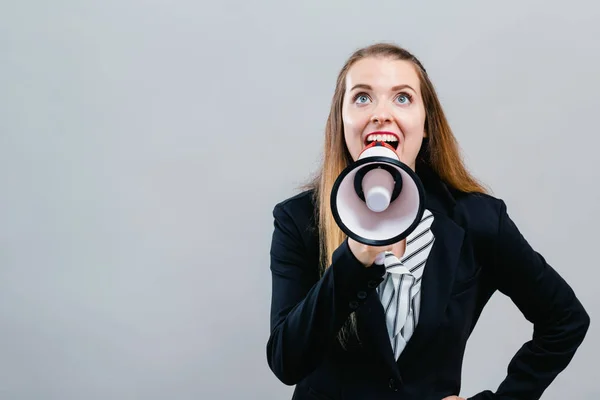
(478, 250)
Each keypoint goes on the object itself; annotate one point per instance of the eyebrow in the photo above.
(367, 87)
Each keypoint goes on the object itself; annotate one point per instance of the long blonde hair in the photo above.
(443, 155)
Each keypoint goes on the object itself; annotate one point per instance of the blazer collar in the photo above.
(438, 196)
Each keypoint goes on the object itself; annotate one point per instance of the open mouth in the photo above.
(387, 137)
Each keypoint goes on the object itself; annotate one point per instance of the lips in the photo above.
(390, 138)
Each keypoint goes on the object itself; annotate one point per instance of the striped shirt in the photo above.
(400, 291)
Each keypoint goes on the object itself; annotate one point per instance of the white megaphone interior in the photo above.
(383, 225)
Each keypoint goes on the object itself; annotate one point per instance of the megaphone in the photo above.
(377, 200)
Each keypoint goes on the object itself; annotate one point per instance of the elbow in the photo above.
(567, 329)
(576, 324)
(583, 322)
(277, 364)
(284, 376)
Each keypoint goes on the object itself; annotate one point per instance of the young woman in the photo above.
(343, 326)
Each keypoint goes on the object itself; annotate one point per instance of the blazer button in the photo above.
(361, 295)
(392, 385)
(353, 304)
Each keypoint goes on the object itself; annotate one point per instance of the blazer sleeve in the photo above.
(307, 310)
(560, 322)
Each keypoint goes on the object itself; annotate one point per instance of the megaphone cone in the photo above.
(377, 200)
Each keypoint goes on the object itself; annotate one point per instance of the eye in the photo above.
(361, 98)
(404, 98)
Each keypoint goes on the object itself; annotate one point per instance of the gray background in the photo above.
(144, 144)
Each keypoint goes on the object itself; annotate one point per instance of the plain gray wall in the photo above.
(144, 144)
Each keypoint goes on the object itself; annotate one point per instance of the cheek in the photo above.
(352, 133)
(413, 127)
(349, 125)
(353, 120)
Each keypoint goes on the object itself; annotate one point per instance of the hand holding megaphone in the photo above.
(377, 201)
(367, 255)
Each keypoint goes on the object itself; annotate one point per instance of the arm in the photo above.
(545, 299)
(307, 311)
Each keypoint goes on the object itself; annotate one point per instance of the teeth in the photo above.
(382, 138)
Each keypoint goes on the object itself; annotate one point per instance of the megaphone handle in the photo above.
(360, 174)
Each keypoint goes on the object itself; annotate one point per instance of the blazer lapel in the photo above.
(373, 331)
(438, 277)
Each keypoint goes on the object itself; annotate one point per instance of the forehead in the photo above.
(382, 73)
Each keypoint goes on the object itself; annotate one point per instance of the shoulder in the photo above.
(299, 205)
(479, 204)
(298, 211)
(300, 200)
(479, 214)
(295, 222)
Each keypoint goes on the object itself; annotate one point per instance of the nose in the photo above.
(381, 116)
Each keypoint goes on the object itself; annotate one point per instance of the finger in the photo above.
(379, 258)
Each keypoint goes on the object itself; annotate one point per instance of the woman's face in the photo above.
(383, 102)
